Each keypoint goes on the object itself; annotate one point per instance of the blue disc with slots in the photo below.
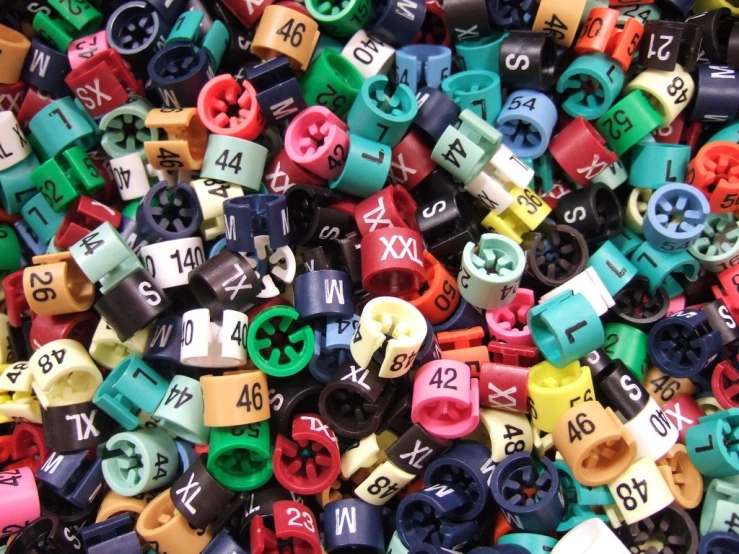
(168, 213)
(527, 121)
(683, 344)
(179, 71)
(675, 216)
(137, 31)
(529, 493)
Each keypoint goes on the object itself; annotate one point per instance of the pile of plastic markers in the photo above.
(369, 277)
